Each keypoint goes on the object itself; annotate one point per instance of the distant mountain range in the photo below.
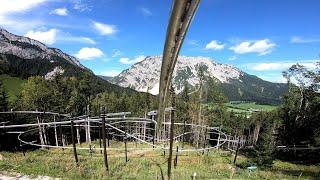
(237, 85)
(107, 78)
(24, 57)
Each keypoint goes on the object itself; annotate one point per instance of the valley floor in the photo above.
(145, 164)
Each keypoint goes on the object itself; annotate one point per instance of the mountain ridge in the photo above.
(144, 76)
(24, 57)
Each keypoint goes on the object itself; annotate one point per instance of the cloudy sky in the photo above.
(260, 37)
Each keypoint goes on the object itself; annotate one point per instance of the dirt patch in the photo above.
(18, 176)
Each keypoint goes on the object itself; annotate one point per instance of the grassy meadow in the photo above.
(146, 164)
(12, 85)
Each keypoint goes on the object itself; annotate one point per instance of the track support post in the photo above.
(105, 156)
(74, 143)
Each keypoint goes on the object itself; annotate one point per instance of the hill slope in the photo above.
(24, 57)
(237, 85)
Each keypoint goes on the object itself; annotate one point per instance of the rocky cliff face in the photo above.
(237, 85)
(144, 75)
(26, 48)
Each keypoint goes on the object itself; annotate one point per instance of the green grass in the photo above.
(146, 165)
(12, 85)
(250, 105)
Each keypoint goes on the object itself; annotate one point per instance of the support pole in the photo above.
(78, 133)
(125, 146)
(238, 146)
(173, 99)
(99, 125)
(55, 131)
(40, 131)
(184, 131)
(74, 143)
(218, 144)
(205, 140)
(176, 159)
(105, 156)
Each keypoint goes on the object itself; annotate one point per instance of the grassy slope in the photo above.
(13, 86)
(145, 165)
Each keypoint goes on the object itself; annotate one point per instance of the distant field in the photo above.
(249, 106)
(13, 86)
(246, 107)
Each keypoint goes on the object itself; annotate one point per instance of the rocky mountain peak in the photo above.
(27, 48)
(144, 75)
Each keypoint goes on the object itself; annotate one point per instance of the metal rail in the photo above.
(182, 14)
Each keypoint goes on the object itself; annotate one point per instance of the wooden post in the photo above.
(238, 146)
(55, 131)
(108, 136)
(78, 133)
(184, 131)
(153, 135)
(125, 146)
(44, 129)
(99, 125)
(40, 131)
(74, 143)
(104, 140)
(218, 144)
(173, 99)
(89, 124)
(176, 159)
(205, 141)
(228, 139)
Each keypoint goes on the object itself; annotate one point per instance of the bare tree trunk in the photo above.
(40, 131)
(256, 132)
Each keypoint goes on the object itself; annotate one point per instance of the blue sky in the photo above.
(260, 37)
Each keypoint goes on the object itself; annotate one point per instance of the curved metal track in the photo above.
(117, 126)
(181, 17)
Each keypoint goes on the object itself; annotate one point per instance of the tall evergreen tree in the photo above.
(264, 149)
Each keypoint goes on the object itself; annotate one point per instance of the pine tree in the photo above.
(264, 149)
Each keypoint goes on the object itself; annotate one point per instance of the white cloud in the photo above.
(104, 29)
(87, 40)
(48, 37)
(297, 39)
(232, 58)
(60, 12)
(215, 45)
(262, 47)
(81, 6)
(9, 9)
(125, 60)
(111, 73)
(268, 66)
(87, 53)
(276, 78)
(276, 66)
(75, 39)
(145, 11)
(18, 6)
(193, 42)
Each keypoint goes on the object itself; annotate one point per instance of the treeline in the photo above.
(295, 125)
(75, 96)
